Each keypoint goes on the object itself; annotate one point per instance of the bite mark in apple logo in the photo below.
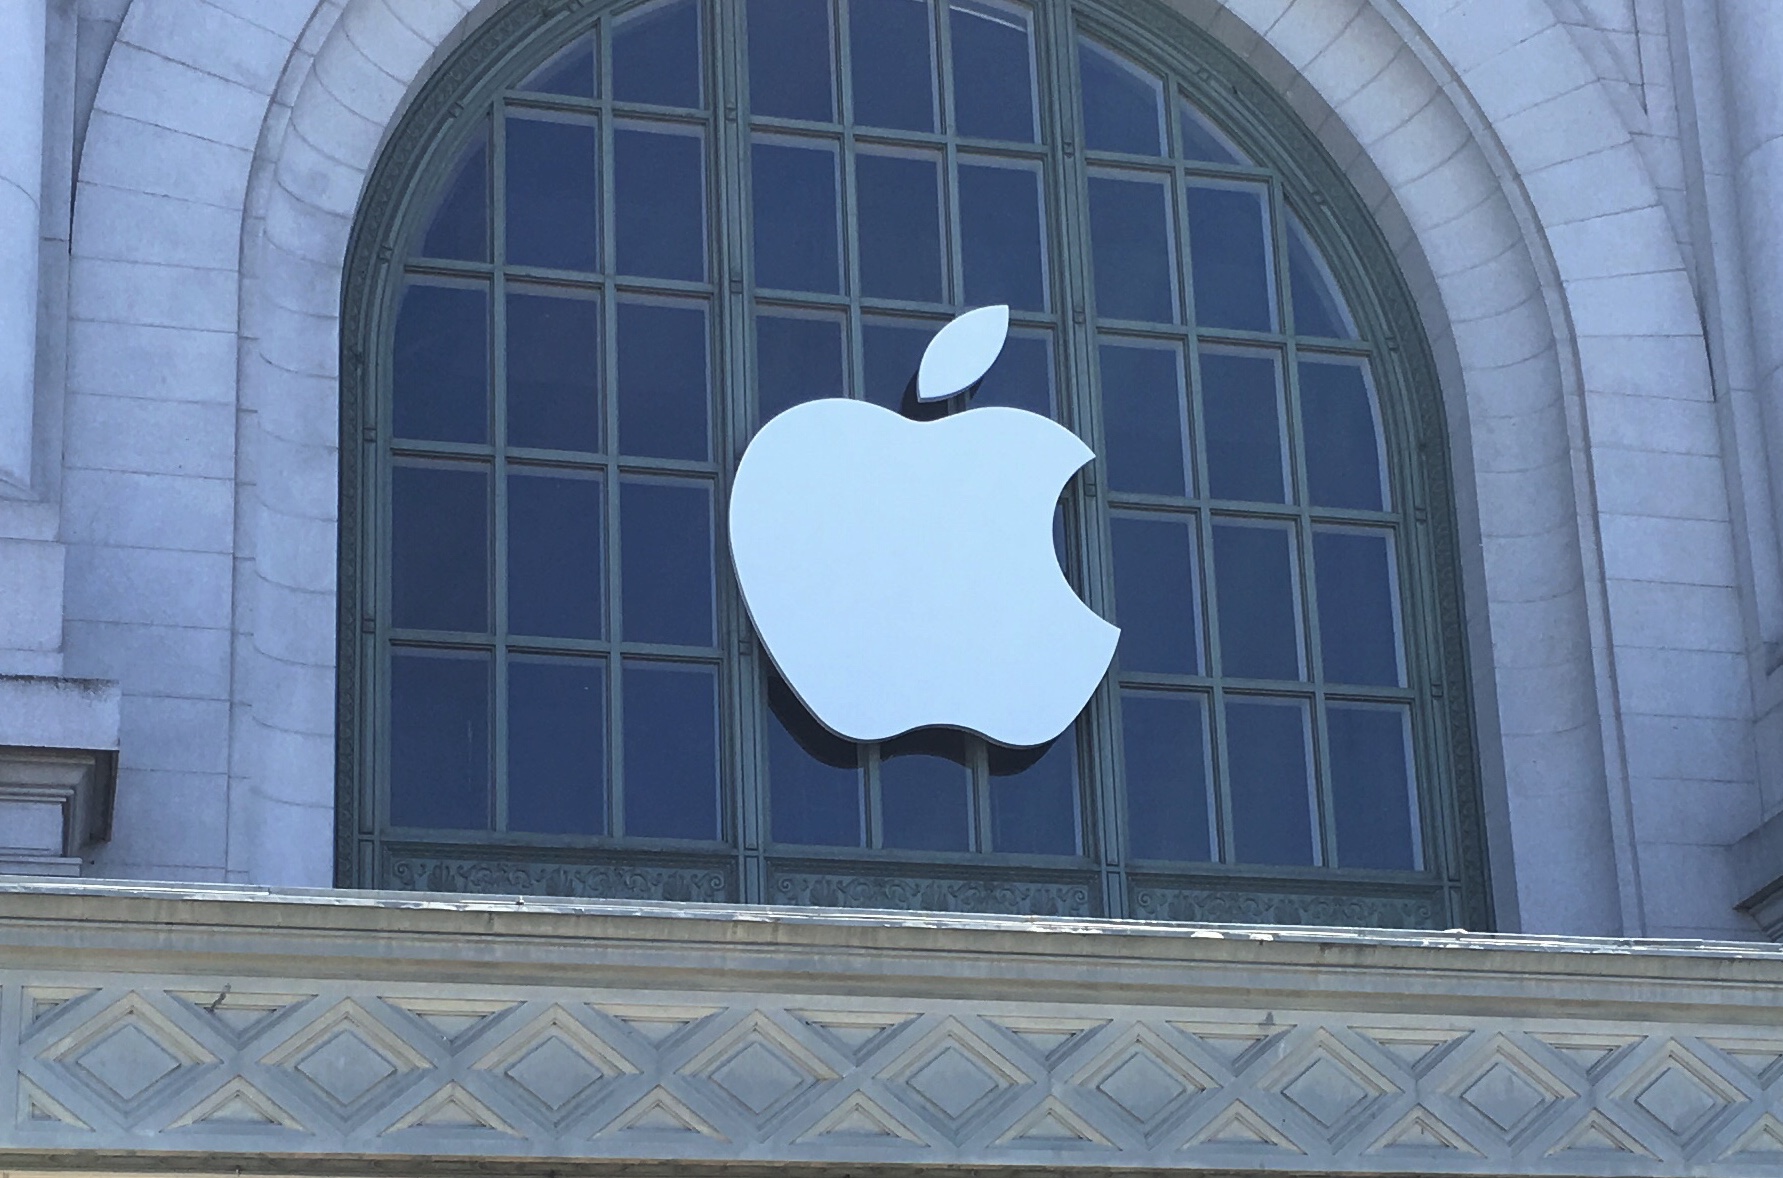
(901, 574)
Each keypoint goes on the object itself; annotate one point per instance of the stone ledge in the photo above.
(151, 1027)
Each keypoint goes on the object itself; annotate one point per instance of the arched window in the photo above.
(609, 240)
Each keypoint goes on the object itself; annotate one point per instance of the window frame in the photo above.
(1300, 176)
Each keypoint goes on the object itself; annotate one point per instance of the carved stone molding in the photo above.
(53, 803)
(357, 1032)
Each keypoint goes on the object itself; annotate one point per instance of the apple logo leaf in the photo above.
(962, 352)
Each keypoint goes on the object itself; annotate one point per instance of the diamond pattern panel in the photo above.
(506, 1071)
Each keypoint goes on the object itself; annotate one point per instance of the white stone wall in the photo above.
(1555, 176)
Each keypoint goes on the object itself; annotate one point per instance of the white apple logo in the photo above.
(901, 574)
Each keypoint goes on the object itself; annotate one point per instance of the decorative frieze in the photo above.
(403, 1030)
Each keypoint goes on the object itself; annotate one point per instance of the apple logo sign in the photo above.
(901, 574)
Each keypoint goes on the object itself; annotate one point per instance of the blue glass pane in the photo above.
(1002, 239)
(898, 213)
(1022, 376)
(665, 539)
(656, 54)
(570, 71)
(1164, 743)
(925, 788)
(553, 187)
(993, 69)
(439, 740)
(459, 226)
(554, 555)
(440, 364)
(1229, 252)
(1318, 306)
(659, 204)
(891, 353)
(1201, 141)
(1144, 419)
(1266, 755)
(557, 745)
(892, 43)
(814, 777)
(797, 359)
(1343, 437)
(1123, 105)
(790, 75)
(671, 750)
(1155, 602)
(1371, 786)
(664, 381)
(439, 548)
(1034, 798)
(1130, 236)
(1241, 407)
(796, 226)
(554, 370)
(1358, 613)
(1259, 601)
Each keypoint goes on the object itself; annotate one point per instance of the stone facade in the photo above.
(1581, 192)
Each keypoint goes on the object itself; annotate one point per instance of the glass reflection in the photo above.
(572, 71)
(1358, 606)
(665, 552)
(1156, 602)
(814, 776)
(1169, 804)
(1131, 239)
(664, 386)
(659, 203)
(656, 54)
(794, 203)
(898, 212)
(798, 358)
(440, 364)
(1319, 308)
(553, 355)
(1145, 418)
(1022, 376)
(1230, 258)
(925, 788)
(554, 555)
(1034, 798)
(671, 750)
(553, 190)
(1268, 756)
(790, 75)
(439, 740)
(439, 548)
(1371, 786)
(1002, 243)
(1342, 427)
(1241, 407)
(459, 227)
(1123, 105)
(892, 63)
(1201, 141)
(1259, 600)
(993, 69)
(557, 745)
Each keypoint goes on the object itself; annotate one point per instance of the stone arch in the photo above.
(1418, 100)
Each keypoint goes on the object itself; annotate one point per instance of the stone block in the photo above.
(184, 99)
(1304, 31)
(166, 296)
(295, 551)
(316, 178)
(147, 585)
(1610, 181)
(56, 713)
(1635, 304)
(1560, 127)
(1666, 616)
(31, 578)
(295, 626)
(180, 735)
(175, 820)
(1353, 59)
(161, 511)
(1646, 366)
(1665, 485)
(127, 153)
(151, 437)
(157, 363)
(1684, 683)
(132, 226)
(385, 41)
(1680, 551)
(152, 660)
(1654, 425)
(1676, 810)
(1540, 67)
(217, 39)
(1635, 241)
(1691, 886)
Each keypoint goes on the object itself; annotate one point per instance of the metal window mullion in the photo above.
(498, 476)
(609, 359)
